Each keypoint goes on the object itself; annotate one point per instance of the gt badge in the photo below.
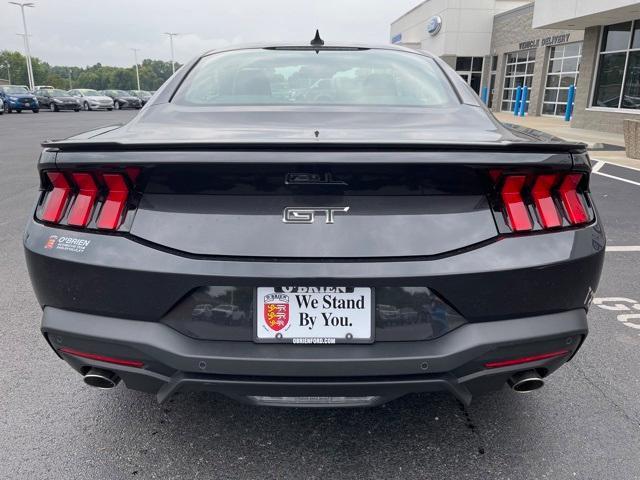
(308, 214)
(276, 311)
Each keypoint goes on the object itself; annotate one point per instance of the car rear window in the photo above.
(306, 77)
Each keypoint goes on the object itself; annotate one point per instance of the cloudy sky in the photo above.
(84, 32)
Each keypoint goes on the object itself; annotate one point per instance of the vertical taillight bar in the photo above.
(82, 207)
(57, 198)
(573, 205)
(118, 193)
(517, 210)
(543, 199)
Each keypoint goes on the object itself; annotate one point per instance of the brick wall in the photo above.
(509, 30)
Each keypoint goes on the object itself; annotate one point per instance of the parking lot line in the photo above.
(623, 248)
(599, 164)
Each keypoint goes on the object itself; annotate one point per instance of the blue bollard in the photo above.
(516, 106)
(571, 95)
(523, 101)
(485, 95)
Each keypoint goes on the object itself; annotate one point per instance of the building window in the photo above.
(518, 73)
(470, 69)
(492, 80)
(564, 63)
(618, 76)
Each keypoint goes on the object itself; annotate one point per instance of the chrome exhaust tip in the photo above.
(96, 377)
(526, 382)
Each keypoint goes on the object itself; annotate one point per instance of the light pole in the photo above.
(26, 41)
(171, 35)
(8, 65)
(135, 57)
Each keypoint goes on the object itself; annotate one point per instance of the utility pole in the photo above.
(135, 57)
(26, 41)
(173, 63)
(8, 65)
(69, 72)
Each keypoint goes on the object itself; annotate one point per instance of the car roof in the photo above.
(307, 46)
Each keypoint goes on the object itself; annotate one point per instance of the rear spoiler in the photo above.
(556, 146)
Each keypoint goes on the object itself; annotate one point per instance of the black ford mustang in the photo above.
(315, 226)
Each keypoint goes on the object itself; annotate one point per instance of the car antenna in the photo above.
(317, 41)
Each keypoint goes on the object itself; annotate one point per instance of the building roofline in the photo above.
(409, 11)
(513, 10)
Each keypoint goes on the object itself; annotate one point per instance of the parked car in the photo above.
(17, 98)
(143, 95)
(122, 99)
(57, 100)
(92, 99)
(396, 184)
(43, 87)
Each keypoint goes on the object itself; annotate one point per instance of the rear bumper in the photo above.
(365, 374)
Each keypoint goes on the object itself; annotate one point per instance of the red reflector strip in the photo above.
(111, 213)
(533, 358)
(56, 198)
(87, 192)
(102, 358)
(570, 199)
(546, 207)
(516, 209)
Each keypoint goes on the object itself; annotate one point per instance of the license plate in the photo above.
(314, 315)
(27, 104)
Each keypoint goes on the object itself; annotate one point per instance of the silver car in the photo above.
(92, 99)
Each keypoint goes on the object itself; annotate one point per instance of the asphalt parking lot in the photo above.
(585, 424)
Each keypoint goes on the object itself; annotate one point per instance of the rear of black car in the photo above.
(335, 272)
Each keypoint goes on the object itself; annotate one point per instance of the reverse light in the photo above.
(102, 358)
(529, 359)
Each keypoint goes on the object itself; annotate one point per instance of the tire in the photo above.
(86, 106)
(37, 110)
(52, 107)
(109, 109)
(76, 109)
(18, 111)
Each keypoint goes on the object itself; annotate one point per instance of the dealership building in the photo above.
(552, 47)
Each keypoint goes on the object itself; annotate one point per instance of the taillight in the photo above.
(539, 202)
(88, 199)
(514, 204)
(111, 213)
(57, 198)
(571, 200)
(85, 199)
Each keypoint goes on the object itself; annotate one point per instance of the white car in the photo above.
(92, 99)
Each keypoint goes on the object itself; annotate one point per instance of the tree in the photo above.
(153, 73)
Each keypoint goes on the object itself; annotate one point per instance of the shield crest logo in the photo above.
(276, 311)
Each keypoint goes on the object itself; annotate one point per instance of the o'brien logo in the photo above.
(51, 242)
(68, 244)
(276, 311)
